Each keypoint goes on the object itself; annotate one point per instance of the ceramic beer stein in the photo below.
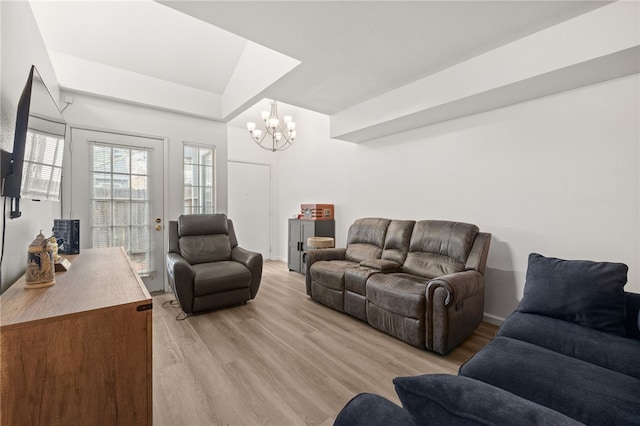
(40, 266)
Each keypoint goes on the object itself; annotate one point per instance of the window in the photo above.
(120, 201)
(199, 181)
(42, 170)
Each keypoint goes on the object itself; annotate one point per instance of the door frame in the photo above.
(67, 175)
(271, 216)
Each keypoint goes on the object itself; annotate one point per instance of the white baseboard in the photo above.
(492, 319)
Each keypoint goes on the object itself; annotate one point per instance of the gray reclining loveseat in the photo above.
(422, 282)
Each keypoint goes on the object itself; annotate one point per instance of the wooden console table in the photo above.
(78, 352)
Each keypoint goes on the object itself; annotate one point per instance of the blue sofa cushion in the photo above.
(580, 291)
(583, 391)
(368, 409)
(442, 399)
(621, 354)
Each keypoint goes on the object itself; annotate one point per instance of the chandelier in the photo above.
(279, 137)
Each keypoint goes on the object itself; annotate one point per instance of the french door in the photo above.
(115, 183)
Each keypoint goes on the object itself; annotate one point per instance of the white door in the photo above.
(116, 190)
(250, 205)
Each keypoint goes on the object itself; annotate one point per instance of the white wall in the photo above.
(21, 47)
(558, 175)
(104, 114)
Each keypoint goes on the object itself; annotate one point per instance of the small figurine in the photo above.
(54, 244)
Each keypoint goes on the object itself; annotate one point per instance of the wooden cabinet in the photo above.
(299, 231)
(78, 352)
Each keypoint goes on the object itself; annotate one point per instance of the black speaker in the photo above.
(67, 230)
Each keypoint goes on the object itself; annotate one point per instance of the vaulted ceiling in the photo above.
(217, 58)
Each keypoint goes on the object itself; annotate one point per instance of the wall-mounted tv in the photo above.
(34, 169)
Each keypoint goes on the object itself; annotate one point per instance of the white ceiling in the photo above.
(143, 37)
(349, 51)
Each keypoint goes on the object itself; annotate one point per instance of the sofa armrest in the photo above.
(458, 286)
(315, 255)
(455, 307)
(382, 265)
(181, 276)
(309, 257)
(253, 261)
(442, 399)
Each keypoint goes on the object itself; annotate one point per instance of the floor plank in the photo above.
(281, 359)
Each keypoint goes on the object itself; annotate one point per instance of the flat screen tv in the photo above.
(34, 169)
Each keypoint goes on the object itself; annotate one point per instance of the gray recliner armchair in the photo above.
(206, 268)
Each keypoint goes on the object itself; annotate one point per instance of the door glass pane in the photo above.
(121, 185)
(101, 213)
(120, 201)
(139, 190)
(139, 213)
(101, 188)
(101, 237)
(139, 162)
(121, 160)
(121, 213)
(101, 159)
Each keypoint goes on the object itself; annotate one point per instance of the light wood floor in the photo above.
(281, 359)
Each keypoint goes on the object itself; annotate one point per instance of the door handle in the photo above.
(158, 227)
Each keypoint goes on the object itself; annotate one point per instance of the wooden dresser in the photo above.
(79, 352)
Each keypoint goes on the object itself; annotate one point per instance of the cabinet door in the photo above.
(92, 368)
(295, 262)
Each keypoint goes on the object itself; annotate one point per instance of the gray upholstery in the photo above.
(206, 268)
(365, 239)
(326, 280)
(439, 248)
(355, 281)
(397, 240)
(423, 285)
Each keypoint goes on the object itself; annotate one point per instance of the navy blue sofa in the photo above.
(569, 355)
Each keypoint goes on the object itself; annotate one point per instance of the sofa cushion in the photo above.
(330, 273)
(578, 389)
(398, 293)
(580, 291)
(217, 277)
(205, 248)
(365, 239)
(202, 224)
(371, 410)
(442, 399)
(615, 353)
(396, 242)
(355, 279)
(439, 248)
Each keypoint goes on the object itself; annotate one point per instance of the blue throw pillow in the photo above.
(443, 399)
(579, 291)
